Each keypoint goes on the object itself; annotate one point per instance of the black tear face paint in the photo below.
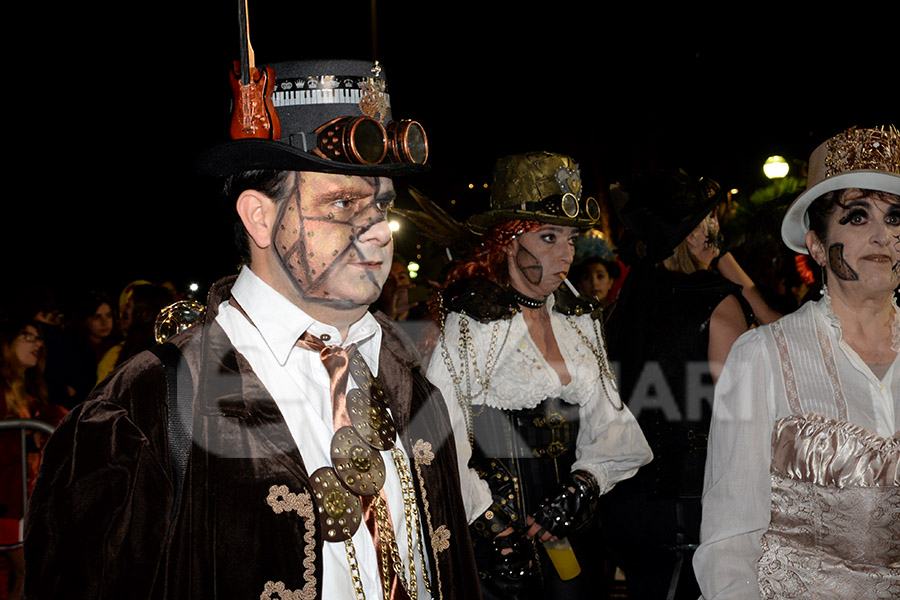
(896, 266)
(894, 215)
(529, 265)
(863, 238)
(838, 265)
(542, 258)
(332, 237)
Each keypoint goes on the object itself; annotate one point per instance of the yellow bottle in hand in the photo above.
(563, 557)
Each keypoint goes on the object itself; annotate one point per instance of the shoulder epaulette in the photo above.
(567, 303)
(480, 299)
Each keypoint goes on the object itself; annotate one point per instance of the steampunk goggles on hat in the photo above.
(365, 141)
(335, 117)
(565, 205)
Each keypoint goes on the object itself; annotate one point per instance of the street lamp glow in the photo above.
(394, 225)
(194, 287)
(776, 167)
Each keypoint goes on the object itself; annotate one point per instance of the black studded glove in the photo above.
(490, 523)
(573, 508)
(506, 563)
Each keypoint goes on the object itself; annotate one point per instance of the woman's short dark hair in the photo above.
(274, 184)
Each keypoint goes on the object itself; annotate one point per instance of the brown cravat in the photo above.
(337, 362)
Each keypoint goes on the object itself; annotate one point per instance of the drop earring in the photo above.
(824, 289)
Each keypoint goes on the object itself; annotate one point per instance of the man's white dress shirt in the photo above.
(300, 386)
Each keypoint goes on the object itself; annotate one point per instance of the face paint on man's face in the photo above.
(332, 238)
(529, 265)
(838, 265)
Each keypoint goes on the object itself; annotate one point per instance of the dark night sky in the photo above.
(126, 100)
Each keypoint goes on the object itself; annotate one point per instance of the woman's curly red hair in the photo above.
(489, 261)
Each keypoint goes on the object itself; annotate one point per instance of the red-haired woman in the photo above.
(539, 427)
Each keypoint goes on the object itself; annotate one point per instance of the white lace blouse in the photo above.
(610, 444)
(797, 365)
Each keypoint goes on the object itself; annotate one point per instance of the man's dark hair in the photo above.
(274, 184)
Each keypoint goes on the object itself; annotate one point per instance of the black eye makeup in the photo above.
(856, 216)
(893, 215)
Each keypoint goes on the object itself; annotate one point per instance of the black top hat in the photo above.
(335, 117)
(661, 208)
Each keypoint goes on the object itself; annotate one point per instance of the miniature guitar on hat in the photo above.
(254, 114)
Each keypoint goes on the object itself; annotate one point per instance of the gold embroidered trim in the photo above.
(440, 537)
(281, 499)
(422, 452)
(275, 590)
(831, 367)
(787, 369)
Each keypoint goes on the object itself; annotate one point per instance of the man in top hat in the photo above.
(288, 446)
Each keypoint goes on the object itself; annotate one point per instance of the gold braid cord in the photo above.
(282, 500)
(440, 537)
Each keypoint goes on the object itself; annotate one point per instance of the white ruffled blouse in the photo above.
(610, 444)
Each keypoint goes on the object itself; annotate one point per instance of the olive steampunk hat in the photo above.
(661, 208)
(335, 117)
(867, 159)
(537, 186)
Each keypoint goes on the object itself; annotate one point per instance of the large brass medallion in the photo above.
(371, 420)
(358, 465)
(339, 512)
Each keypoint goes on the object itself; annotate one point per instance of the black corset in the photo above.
(527, 453)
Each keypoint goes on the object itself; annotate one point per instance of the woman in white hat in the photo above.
(801, 496)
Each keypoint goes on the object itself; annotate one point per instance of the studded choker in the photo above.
(526, 301)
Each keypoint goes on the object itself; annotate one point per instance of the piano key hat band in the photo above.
(335, 117)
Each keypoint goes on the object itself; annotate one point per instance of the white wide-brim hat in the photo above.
(867, 159)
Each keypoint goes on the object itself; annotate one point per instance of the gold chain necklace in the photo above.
(355, 452)
(606, 372)
(466, 350)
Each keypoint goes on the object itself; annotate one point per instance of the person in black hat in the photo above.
(669, 333)
(288, 445)
(540, 430)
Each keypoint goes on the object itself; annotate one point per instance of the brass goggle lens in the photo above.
(363, 140)
(360, 140)
(408, 142)
(569, 205)
(592, 208)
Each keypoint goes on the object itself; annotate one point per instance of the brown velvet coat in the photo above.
(98, 524)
